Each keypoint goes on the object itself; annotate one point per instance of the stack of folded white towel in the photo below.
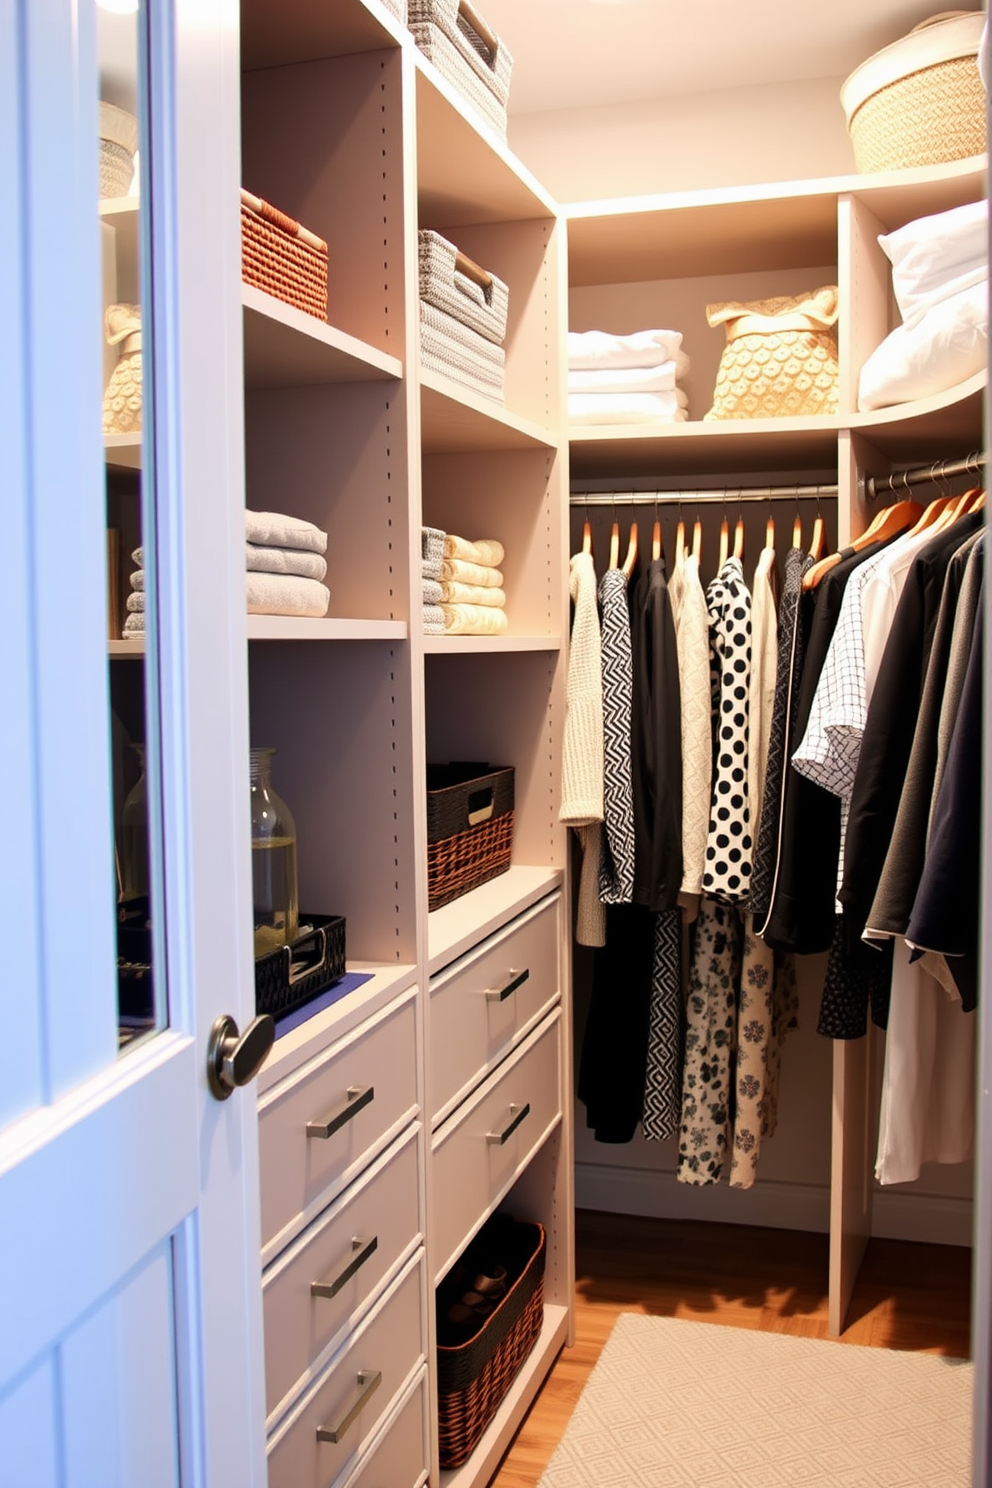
(940, 280)
(626, 379)
(462, 586)
(285, 565)
(134, 625)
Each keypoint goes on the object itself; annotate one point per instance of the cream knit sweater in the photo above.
(582, 754)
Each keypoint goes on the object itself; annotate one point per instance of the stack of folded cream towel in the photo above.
(285, 565)
(462, 586)
(626, 379)
(134, 625)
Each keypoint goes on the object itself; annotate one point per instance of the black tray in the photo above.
(292, 975)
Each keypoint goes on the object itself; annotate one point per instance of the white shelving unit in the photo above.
(658, 261)
(346, 127)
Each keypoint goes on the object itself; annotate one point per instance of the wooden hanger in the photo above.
(819, 537)
(956, 507)
(631, 558)
(724, 543)
(656, 541)
(888, 523)
(586, 536)
(770, 533)
(739, 538)
(615, 545)
(680, 542)
(697, 539)
(797, 532)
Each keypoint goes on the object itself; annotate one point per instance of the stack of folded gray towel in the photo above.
(462, 316)
(462, 586)
(134, 625)
(285, 565)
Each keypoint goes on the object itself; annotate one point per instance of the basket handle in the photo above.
(472, 270)
(481, 805)
(305, 956)
(472, 16)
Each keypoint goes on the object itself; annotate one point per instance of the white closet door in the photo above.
(130, 1300)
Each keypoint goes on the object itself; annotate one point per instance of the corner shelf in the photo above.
(456, 645)
(299, 31)
(456, 927)
(126, 650)
(699, 448)
(285, 347)
(293, 628)
(454, 419)
(907, 431)
(123, 451)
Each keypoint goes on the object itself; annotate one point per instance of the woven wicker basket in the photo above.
(780, 360)
(474, 1376)
(470, 55)
(118, 143)
(921, 100)
(469, 828)
(282, 258)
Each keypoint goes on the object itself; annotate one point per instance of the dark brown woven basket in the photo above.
(282, 258)
(291, 976)
(474, 1376)
(469, 828)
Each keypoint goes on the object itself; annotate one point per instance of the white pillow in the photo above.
(948, 345)
(588, 350)
(938, 256)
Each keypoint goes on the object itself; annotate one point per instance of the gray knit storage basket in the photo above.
(465, 51)
(398, 8)
(453, 283)
(454, 350)
(919, 101)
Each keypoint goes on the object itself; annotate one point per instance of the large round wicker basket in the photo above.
(919, 101)
(118, 143)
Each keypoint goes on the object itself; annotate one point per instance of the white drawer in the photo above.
(484, 1004)
(347, 1251)
(346, 1400)
(361, 1092)
(480, 1150)
(401, 1456)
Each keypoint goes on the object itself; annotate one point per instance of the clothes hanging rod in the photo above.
(921, 475)
(729, 497)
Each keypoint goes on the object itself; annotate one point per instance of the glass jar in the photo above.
(275, 893)
(135, 871)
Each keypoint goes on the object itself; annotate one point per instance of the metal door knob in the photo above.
(232, 1058)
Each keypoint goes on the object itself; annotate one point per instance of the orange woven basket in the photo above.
(282, 258)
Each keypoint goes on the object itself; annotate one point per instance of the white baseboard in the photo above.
(782, 1206)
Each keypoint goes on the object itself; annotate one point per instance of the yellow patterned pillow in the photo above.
(780, 360)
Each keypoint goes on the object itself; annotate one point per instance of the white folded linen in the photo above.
(590, 350)
(284, 561)
(485, 551)
(432, 591)
(937, 256)
(474, 594)
(473, 620)
(275, 530)
(457, 571)
(433, 619)
(285, 594)
(948, 345)
(627, 408)
(661, 379)
(431, 552)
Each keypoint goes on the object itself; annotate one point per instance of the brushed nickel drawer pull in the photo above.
(358, 1099)
(363, 1249)
(369, 1381)
(518, 1113)
(500, 994)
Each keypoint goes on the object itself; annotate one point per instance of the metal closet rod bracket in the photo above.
(922, 475)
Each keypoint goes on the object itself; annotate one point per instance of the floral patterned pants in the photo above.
(741, 1002)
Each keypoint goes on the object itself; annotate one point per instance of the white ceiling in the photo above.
(574, 53)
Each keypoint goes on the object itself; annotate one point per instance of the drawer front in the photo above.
(401, 1458)
(346, 1402)
(485, 1003)
(489, 1140)
(346, 1252)
(318, 1129)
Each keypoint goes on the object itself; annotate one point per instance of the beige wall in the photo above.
(735, 137)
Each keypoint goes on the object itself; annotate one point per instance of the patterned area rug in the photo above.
(677, 1404)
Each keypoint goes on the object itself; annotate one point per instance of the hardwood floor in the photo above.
(908, 1297)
